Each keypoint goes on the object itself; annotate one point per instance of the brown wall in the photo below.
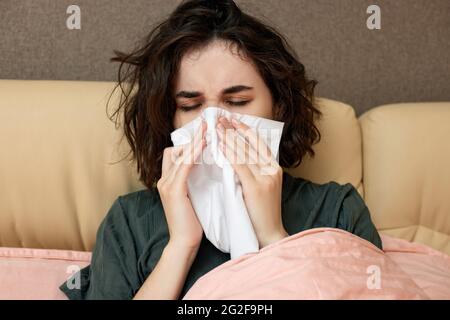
(407, 60)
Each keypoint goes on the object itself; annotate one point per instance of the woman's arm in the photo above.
(261, 177)
(167, 279)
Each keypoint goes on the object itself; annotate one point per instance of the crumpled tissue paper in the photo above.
(214, 188)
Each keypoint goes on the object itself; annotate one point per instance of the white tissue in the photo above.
(213, 187)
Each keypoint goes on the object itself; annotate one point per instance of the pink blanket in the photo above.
(326, 263)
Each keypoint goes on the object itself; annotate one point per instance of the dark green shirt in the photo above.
(132, 236)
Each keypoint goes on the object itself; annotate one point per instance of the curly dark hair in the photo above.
(146, 78)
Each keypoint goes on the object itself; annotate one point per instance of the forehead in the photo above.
(215, 67)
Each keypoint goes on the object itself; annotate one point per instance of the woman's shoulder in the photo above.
(329, 204)
(144, 197)
(293, 187)
(136, 217)
(136, 208)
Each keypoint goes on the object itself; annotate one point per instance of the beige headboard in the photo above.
(58, 177)
(407, 171)
(56, 180)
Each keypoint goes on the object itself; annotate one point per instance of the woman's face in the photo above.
(218, 76)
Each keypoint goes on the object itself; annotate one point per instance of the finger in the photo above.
(225, 130)
(245, 153)
(169, 156)
(166, 161)
(175, 155)
(242, 151)
(243, 147)
(184, 168)
(257, 165)
(192, 153)
(188, 148)
(238, 163)
(258, 153)
(257, 146)
(255, 140)
(196, 146)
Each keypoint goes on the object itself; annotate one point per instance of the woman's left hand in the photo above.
(260, 175)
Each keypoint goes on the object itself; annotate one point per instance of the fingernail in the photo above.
(234, 121)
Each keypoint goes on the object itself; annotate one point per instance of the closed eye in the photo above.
(189, 108)
(231, 103)
(238, 103)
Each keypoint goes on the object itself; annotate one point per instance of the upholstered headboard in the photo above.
(59, 169)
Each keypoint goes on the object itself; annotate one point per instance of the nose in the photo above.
(215, 103)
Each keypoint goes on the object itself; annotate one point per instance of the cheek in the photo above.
(259, 108)
(266, 105)
(267, 110)
(181, 118)
(177, 120)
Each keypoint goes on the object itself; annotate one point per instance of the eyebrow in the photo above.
(195, 94)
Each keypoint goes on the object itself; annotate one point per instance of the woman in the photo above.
(150, 245)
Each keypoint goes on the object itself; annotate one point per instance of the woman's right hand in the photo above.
(169, 275)
(184, 227)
